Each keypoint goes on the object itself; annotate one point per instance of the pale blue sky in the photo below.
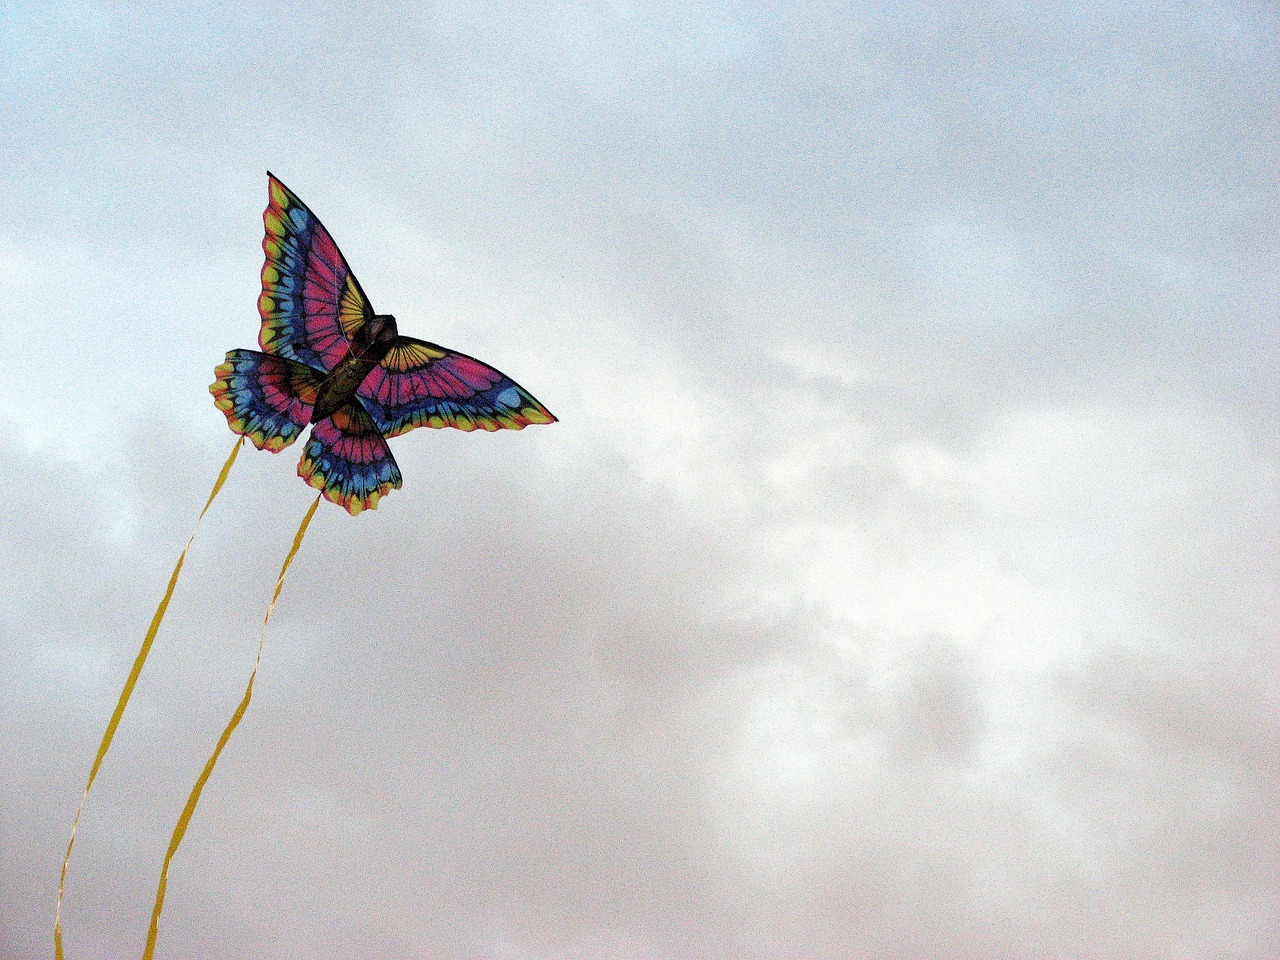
(901, 579)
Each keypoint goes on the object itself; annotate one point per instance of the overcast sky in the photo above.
(900, 581)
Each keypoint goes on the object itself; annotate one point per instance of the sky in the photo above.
(900, 580)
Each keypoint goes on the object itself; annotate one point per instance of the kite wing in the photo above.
(347, 459)
(265, 398)
(311, 302)
(420, 384)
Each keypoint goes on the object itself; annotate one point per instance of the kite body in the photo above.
(329, 362)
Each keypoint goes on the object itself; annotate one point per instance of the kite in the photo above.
(328, 361)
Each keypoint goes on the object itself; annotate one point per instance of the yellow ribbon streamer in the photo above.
(127, 692)
(180, 828)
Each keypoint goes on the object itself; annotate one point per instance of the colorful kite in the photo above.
(330, 362)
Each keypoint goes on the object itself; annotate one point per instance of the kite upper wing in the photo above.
(420, 384)
(311, 302)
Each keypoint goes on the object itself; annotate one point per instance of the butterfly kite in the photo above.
(330, 362)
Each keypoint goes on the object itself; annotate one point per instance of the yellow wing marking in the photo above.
(409, 356)
(351, 309)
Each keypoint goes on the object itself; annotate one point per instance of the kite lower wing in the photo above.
(348, 460)
(265, 398)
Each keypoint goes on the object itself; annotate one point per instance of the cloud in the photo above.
(900, 578)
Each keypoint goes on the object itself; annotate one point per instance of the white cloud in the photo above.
(899, 581)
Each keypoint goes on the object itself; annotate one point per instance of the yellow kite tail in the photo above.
(132, 680)
(184, 819)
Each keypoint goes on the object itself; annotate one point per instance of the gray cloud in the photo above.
(900, 580)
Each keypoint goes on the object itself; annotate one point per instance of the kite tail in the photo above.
(127, 692)
(184, 819)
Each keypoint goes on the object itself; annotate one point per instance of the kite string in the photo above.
(184, 819)
(127, 692)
